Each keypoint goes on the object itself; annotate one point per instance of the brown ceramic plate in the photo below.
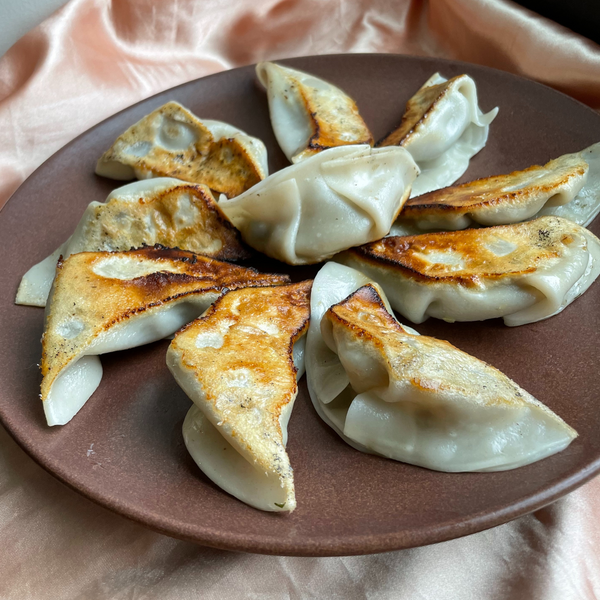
(124, 449)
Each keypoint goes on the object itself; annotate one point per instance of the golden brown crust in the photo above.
(417, 111)
(536, 243)
(365, 300)
(224, 166)
(428, 364)
(96, 302)
(488, 192)
(335, 119)
(206, 230)
(256, 329)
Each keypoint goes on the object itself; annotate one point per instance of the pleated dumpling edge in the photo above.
(336, 199)
(443, 128)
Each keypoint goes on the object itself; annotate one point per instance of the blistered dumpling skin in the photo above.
(524, 272)
(334, 200)
(108, 301)
(239, 366)
(420, 400)
(567, 186)
(173, 142)
(308, 114)
(163, 211)
(442, 128)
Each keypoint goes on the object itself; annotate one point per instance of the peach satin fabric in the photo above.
(95, 57)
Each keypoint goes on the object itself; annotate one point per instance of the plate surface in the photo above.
(124, 449)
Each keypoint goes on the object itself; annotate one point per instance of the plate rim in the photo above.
(346, 545)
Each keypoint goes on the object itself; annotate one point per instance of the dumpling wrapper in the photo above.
(442, 128)
(238, 365)
(524, 272)
(568, 186)
(173, 142)
(387, 409)
(309, 114)
(420, 400)
(109, 301)
(584, 208)
(339, 198)
(164, 211)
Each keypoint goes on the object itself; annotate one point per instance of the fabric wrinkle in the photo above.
(93, 58)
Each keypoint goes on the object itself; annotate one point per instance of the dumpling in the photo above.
(584, 208)
(173, 142)
(417, 399)
(524, 272)
(239, 366)
(442, 128)
(108, 301)
(308, 114)
(336, 199)
(325, 375)
(162, 211)
(568, 186)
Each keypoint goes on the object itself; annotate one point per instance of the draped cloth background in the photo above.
(95, 57)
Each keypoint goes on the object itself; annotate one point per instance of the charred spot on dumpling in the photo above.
(177, 216)
(229, 159)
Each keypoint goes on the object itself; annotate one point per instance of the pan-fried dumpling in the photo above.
(331, 201)
(524, 272)
(308, 114)
(568, 186)
(164, 211)
(420, 400)
(173, 142)
(442, 128)
(108, 301)
(237, 364)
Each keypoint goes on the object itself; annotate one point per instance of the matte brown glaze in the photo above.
(348, 502)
